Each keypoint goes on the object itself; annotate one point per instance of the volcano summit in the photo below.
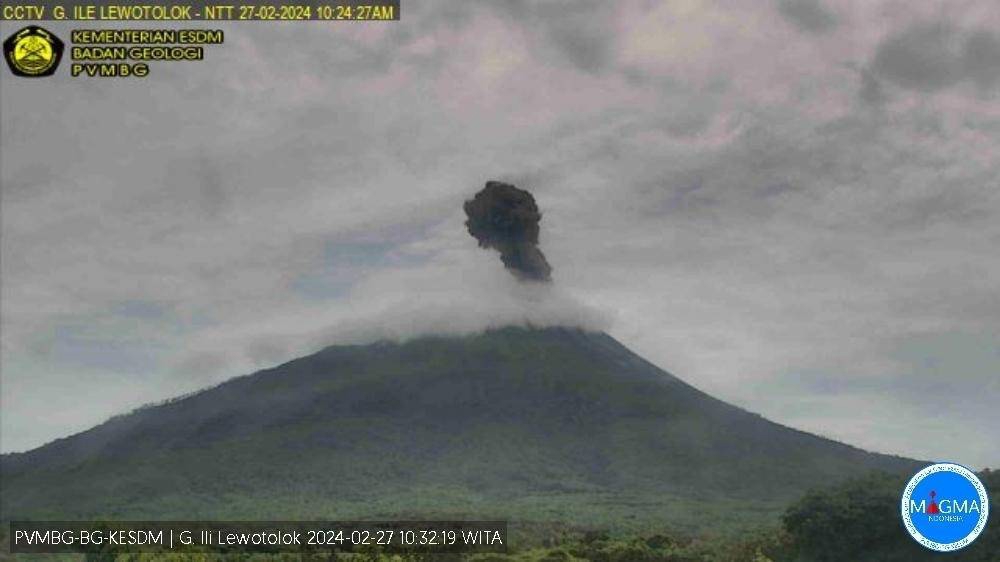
(519, 423)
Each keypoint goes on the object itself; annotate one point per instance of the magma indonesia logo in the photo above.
(33, 52)
(945, 507)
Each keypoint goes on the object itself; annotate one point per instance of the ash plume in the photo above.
(506, 218)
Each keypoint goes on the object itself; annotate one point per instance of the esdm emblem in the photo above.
(33, 52)
(945, 507)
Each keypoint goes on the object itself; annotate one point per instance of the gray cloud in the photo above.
(202, 366)
(586, 40)
(808, 15)
(964, 363)
(928, 57)
(925, 57)
(871, 92)
(981, 58)
(582, 33)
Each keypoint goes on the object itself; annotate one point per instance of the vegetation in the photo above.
(519, 424)
(855, 521)
(594, 453)
(859, 521)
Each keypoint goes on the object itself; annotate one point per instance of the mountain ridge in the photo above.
(518, 422)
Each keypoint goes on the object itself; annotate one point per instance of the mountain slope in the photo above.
(553, 424)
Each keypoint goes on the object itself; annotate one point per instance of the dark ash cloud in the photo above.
(506, 218)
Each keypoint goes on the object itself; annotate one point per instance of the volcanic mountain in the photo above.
(526, 424)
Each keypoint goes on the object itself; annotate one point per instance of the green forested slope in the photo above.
(526, 424)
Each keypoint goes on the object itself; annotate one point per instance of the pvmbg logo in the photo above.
(33, 52)
(945, 507)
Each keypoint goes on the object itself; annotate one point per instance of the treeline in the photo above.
(860, 521)
(857, 521)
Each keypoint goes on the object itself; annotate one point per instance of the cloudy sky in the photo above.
(793, 205)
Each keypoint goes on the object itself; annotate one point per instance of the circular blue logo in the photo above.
(945, 507)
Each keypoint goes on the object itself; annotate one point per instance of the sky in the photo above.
(792, 205)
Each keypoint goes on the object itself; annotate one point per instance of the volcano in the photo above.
(525, 424)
